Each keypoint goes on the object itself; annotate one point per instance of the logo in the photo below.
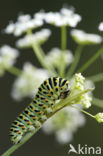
(80, 150)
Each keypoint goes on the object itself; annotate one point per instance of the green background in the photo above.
(41, 144)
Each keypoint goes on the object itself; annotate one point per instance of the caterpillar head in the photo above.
(64, 90)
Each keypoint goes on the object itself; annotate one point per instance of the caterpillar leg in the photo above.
(16, 137)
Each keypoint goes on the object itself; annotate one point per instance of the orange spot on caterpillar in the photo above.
(34, 117)
(48, 95)
(23, 127)
(46, 100)
(28, 122)
(39, 113)
(19, 132)
(43, 106)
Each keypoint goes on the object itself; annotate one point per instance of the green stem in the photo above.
(91, 60)
(63, 48)
(98, 102)
(83, 111)
(15, 71)
(63, 38)
(76, 60)
(96, 78)
(56, 108)
(41, 55)
(16, 146)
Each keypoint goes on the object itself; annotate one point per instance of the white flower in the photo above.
(40, 15)
(66, 17)
(64, 123)
(28, 82)
(10, 28)
(37, 38)
(99, 117)
(8, 57)
(100, 27)
(79, 81)
(63, 136)
(24, 18)
(73, 18)
(89, 84)
(54, 57)
(86, 100)
(84, 38)
(24, 23)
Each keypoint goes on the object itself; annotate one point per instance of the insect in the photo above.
(36, 113)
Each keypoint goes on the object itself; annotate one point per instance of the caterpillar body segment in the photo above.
(35, 114)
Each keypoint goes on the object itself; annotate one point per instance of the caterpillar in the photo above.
(36, 112)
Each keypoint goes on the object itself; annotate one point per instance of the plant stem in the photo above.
(41, 55)
(96, 78)
(15, 71)
(91, 60)
(98, 102)
(83, 111)
(63, 48)
(16, 146)
(76, 60)
(56, 108)
(63, 38)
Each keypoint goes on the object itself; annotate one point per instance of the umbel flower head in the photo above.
(27, 83)
(66, 17)
(37, 38)
(99, 117)
(23, 24)
(8, 57)
(78, 83)
(100, 27)
(81, 37)
(64, 124)
(55, 55)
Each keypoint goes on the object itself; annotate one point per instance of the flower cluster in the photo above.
(99, 117)
(64, 124)
(66, 17)
(81, 37)
(23, 24)
(79, 81)
(8, 57)
(27, 83)
(37, 38)
(79, 84)
(54, 57)
(100, 27)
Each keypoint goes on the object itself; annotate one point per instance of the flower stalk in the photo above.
(14, 70)
(91, 60)
(76, 60)
(40, 55)
(96, 78)
(63, 48)
(98, 102)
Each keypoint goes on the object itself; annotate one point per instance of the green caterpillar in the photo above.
(52, 89)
